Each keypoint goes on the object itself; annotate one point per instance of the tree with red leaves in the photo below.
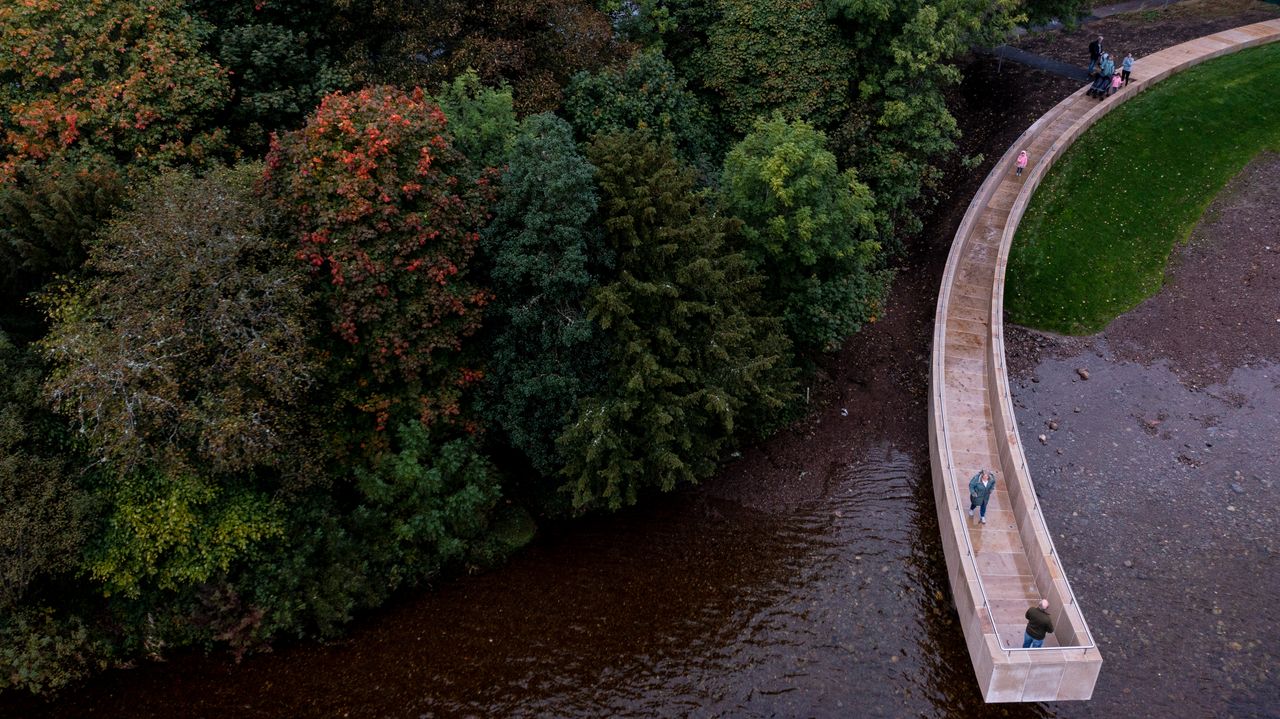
(388, 225)
(125, 79)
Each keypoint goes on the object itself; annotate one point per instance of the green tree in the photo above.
(45, 523)
(191, 346)
(424, 506)
(692, 359)
(673, 25)
(311, 578)
(482, 119)
(809, 229)
(546, 255)
(899, 124)
(49, 214)
(382, 214)
(777, 55)
(42, 652)
(175, 530)
(125, 79)
(43, 513)
(646, 94)
(280, 58)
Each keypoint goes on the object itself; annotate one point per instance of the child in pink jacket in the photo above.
(1022, 162)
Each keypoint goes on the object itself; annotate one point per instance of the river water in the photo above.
(697, 605)
(807, 579)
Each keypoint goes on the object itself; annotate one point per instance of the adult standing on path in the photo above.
(1101, 87)
(1095, 53)
(981, 485)
(1038, 625)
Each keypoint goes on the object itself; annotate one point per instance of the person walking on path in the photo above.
(1022, 162)
(1101, 87)
(980, 488)
(1115, 83)
(1095, 53)
(1038, 625)
(1126, 67)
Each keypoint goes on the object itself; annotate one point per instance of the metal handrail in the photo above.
(997, 326)
(950, 469)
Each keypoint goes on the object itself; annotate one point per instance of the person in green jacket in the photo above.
(980, 488)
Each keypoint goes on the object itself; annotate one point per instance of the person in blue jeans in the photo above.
(980, 488)
(1038, 625)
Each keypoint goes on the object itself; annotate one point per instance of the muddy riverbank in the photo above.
(807, 578)
(1158, 474)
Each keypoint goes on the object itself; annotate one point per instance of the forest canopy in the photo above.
(307, 303)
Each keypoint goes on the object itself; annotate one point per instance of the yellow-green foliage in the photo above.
(809, 229)
(173, 531)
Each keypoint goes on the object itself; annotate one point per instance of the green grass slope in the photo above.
(1097, 235)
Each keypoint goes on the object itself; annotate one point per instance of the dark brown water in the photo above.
(700, 605)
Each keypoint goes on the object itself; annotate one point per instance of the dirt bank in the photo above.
(1158, 475)
(1146, 31)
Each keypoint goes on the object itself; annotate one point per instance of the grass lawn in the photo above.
(1097, 235)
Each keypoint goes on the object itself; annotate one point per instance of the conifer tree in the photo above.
(482, 119)
(692, 357)
(546, 255)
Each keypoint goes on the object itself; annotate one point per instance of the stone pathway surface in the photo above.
(999, 569)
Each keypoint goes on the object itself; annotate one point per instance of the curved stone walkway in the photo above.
(999, 569)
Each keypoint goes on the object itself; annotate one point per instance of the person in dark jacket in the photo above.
(1038, 625)
(1095, 54)
(981, 485)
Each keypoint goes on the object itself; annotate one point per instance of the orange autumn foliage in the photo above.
(117, 78)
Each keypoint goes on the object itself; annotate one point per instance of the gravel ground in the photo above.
(1147, 31)
(1158, 471)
